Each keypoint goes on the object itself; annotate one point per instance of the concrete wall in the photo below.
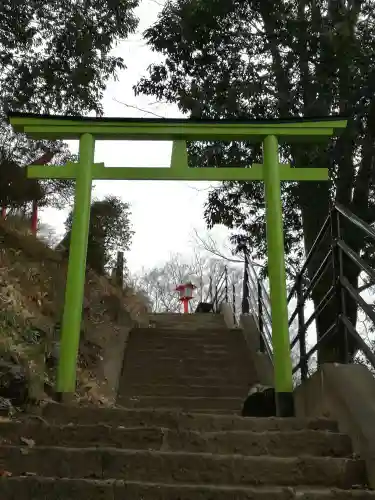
(345, 393)
(226, 310)
(112, 366)
(262, 363)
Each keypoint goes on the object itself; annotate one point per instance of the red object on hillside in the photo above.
(45, 158)
(186, 294)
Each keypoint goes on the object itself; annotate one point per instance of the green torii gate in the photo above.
(269, 132)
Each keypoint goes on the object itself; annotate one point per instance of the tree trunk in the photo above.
(34, 218)
(119, 272)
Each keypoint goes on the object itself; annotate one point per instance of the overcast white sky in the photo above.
(164, 214)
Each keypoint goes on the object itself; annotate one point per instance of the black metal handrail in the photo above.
(341, 289)
(256, 299)
(221, 291)
(220, 294)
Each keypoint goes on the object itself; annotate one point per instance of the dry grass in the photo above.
(32, 283)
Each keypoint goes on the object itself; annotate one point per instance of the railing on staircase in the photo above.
(340, 227)
(221, 293)
(255, 299)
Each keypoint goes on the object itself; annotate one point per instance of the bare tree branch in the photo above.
(138, 108)
(159, 283)
(211, 247)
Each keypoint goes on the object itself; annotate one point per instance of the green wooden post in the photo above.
(276, 270)
(75, 282)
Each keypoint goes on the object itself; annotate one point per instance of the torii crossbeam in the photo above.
(270, 133)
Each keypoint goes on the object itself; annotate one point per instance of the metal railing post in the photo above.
(226, 284)
(262, 346)
(301, 329)
(245, 290)
(337, 266)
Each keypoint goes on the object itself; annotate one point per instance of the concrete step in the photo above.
(275, 443)
(191, 322)
(189, 326)
(208, 391)
(186, 348)
(154, 338)
(132, 373)
(56, 413)
(278, 444)
(195, 336)
(191, 356)
(186, 351)
(168, 379)
(39, 488)
(237, 375)
(186, 318)
(189, 349)
(182, 467)
(195, 333)
(170, 362)
(199, 361)
(192, 352)
(182, 403)
(212, 411)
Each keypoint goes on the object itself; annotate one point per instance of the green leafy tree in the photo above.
(16, 190)
(261, 59)
(55, 57)
(110, 231)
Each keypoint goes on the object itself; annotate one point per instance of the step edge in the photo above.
(213, 457)
(243, 432)
(189, 486)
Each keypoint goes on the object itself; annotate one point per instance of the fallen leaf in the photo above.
(5, 473)
(29, 442)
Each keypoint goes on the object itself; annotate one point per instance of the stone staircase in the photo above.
(176, 436)
(187, 362)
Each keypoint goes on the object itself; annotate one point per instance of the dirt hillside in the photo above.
(32, 284)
